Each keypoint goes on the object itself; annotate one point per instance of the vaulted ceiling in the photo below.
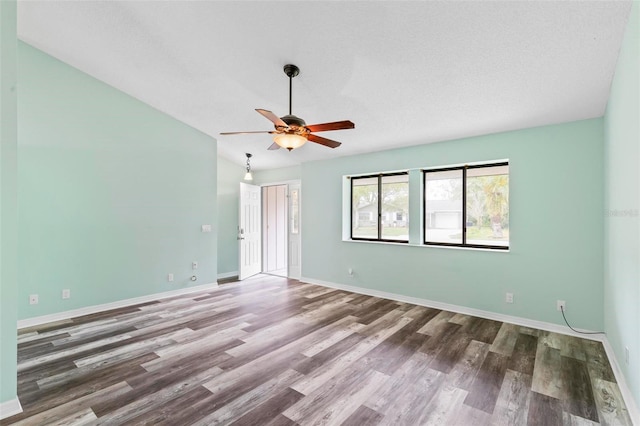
(406, 73)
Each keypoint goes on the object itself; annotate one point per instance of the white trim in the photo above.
(634, 413)
(541, 325)
(228, 275)
(10, 408)
(30, 322)
(282, 182)
(632, 407)
(347, 239)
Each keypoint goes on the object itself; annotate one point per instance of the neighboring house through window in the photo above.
(379, 207)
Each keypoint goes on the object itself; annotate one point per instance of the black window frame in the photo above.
(464, 207)
(379, 176)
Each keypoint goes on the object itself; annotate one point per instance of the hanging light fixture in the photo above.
(248, 175)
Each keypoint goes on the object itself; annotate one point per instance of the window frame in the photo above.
(379, 177)
(464, 243)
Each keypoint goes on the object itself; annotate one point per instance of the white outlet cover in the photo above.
(170, 277)
(206, 228)
(66, 293)
(33, 299)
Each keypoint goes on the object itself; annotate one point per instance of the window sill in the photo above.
(348, 240)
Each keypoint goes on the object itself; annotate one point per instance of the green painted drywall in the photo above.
(229, 177)
(622, 217)
(283, 174)
(556, 200)
(111, 192)
(8, 201)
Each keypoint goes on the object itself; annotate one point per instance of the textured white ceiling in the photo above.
(405, 73)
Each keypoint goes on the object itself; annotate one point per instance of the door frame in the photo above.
(289, 182)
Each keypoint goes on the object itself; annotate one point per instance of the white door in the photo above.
(295, 269)
(249, 232)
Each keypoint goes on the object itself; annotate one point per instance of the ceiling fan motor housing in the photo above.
(292, 120)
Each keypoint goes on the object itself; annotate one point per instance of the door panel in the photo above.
(249, 234)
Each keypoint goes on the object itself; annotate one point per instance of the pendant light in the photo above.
(248, 175)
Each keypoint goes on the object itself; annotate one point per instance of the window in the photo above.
(467, 206)
(380, 207)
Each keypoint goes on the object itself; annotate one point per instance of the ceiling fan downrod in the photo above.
(291, 71)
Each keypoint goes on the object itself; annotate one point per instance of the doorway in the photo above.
(269, 230)
(274, 230)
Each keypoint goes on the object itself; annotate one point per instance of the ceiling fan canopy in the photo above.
(292, 132)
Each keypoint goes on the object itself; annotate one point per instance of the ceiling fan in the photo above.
(292, 132)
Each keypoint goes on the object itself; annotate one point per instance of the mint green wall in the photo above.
(8, 201)
(622, 217)
(229, 177)
(111, 192)
(282, 174)
(556, 201)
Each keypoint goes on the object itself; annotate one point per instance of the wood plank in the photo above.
(488, 382)
(544, 410)
(524, 354)
(363, 416)
(578, 392)
(610, 404)
(547, 379)
(512, 406)
(269, 410)
(337, 399)
(505, 340)
(246, 402)
(464, 372)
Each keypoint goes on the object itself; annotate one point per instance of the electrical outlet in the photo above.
(350, 271)
(561, 305)
(626, 355)
(33, 299)
(66, 293)
(194, 265)
(508, 297)
(170, 277)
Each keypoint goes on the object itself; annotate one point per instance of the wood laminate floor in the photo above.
(272, 351)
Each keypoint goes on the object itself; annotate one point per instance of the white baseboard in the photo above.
(632, 407)
(30, 322)
(227, 275)
(541, 325)
(10, 408)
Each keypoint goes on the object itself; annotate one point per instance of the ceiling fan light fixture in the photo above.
(289, 140)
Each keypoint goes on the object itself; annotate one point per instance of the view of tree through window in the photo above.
(380, 207)
(479, 194)
(488, 206)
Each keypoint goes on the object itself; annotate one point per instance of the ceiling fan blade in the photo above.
(336, 125)
(272, 117)
(323, 141)
(247, 133)
(273, 147)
